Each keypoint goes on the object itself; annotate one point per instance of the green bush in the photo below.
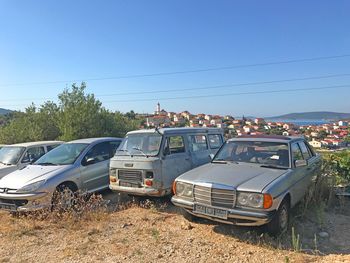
(337, 164)
(76, 115)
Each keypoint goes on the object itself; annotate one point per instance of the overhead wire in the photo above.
(205, 87)
(180, 71)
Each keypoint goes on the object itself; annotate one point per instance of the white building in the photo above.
(316, 144)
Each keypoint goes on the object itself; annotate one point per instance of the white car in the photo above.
(77, 165)
(17, 156)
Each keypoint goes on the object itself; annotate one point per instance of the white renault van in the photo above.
(148, 161)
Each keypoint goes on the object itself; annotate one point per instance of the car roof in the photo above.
(267, 138)
(38, 143)
(93, 140)
(179, 130)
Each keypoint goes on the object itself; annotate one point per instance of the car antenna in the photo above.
(157, 129)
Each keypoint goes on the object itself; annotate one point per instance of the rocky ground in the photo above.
(156, 231)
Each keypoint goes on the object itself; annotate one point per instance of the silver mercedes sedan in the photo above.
(252, 181)
(76, 165)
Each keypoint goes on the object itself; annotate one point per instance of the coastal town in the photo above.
(327, 135)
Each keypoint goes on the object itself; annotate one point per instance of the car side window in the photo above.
(215, 141)
(174, 144)
(33, 154)
(113, 147)
(296, 152)
(305, 151)
(198, 143)
(312, 153)
(99, 153)
(50, 147)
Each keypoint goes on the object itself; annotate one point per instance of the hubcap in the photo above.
(283, 218)
(66, 198)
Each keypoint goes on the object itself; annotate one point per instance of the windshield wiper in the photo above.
(219, 161)
(47, 163)
(140, 150)
(274, 166)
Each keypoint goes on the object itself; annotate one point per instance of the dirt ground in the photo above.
(155, 231)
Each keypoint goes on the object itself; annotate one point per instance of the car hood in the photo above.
(241, 176)
(31, 174)
(6, 169)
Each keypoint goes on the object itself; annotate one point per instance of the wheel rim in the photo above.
(65, 198)
(283, 218)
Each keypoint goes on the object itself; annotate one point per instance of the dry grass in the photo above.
(142, 232)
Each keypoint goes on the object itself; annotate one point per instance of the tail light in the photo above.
(148, 182)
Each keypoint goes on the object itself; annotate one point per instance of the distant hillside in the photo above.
(317, 115)
(4, 111)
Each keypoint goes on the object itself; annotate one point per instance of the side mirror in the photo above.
(300, 163)
(26, 159)
(166, 151)
(211, 156)
(89, 161)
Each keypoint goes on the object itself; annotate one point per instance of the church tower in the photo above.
(158, 109)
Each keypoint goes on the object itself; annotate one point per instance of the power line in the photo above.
(221, 95)
(207, 87)
(181, 72)
(226, 85)
(232, 94)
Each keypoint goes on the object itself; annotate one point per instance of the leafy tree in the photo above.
(131, 115)
(32, 125)
(322, 134)
(77, 115)
(80, 114)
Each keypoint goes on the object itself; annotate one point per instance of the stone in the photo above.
(323, 234)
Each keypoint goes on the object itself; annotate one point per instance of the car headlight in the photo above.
(113, 172)
(184, 189)
(247, 199)
(31, 187)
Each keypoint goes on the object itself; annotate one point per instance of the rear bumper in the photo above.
(238, 217)
(24, 202)
(143, 191)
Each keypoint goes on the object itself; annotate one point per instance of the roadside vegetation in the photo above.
(76, 115)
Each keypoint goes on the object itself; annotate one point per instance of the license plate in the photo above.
(8, 207)
(210, 211)
(127, 184)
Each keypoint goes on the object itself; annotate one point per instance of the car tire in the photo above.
(63, 198)
(279, 223)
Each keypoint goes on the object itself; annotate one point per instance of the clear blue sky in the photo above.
(44, 41)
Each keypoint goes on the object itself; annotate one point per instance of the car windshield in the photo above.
(146, 144)
(265, 153)
(64, 154)
(10, 155)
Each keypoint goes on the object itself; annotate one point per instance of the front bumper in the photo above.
(239, 217)
(143, 191)
(24, 202)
